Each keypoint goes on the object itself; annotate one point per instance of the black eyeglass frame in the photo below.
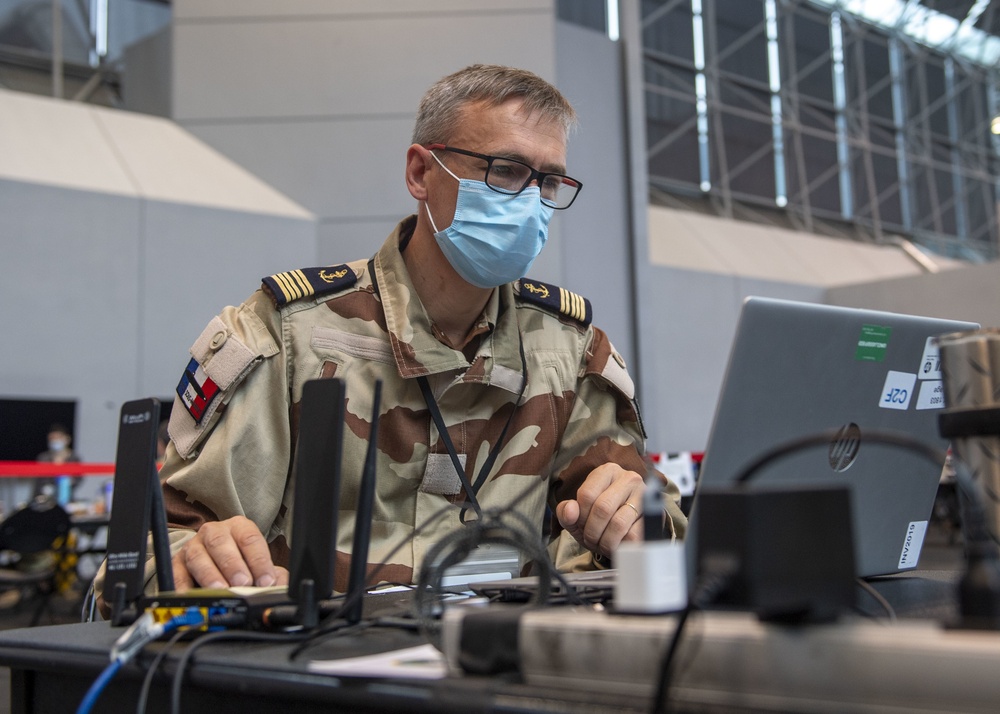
(534, 175)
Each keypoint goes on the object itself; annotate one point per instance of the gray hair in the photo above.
(441, 108)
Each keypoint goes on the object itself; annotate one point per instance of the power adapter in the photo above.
(652, 577)
(787, 552)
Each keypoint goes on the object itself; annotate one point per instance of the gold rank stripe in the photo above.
(288, 288)
(293, 284)
(303, 282)
(572, 304)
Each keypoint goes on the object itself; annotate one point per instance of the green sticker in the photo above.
(873, 342)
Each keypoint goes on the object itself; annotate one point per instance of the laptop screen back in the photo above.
(797, 369)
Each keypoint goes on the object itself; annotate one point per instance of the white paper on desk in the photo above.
(421, 662)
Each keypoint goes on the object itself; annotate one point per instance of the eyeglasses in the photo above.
(511, 177)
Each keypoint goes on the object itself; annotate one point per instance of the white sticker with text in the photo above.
(930, 363)
(931, 395)
(897, 390)
(912, 543)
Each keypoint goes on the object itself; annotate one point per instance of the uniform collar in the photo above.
(417, 351)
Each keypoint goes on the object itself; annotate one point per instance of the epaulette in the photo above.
(308, 282)
(557, 300)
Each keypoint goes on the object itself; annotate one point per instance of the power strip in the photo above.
(732, 659)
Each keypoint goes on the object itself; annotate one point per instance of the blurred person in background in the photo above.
(60, 451)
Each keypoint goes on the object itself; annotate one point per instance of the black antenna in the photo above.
(363, 519)
(137, 501)
(161, 539)
(316, 471)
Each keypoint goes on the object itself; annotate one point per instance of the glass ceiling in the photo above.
(929, 27)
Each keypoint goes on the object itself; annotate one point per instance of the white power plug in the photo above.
(652, 577)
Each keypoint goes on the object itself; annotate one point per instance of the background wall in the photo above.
(122, 236)
(972, 293)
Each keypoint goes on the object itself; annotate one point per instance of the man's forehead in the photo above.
(507, 129)
(480, 112)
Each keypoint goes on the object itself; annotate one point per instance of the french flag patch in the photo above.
(197, 390)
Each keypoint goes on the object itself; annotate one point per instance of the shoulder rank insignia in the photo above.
(308, 282)
(557, 299)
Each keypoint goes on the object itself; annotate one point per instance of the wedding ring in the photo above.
(637, 514)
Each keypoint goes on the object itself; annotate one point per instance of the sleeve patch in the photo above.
(615, 372)
(607, 365)
(196, 390)
(308, 282)
(219, 361)
(557, 299)
(222, 355)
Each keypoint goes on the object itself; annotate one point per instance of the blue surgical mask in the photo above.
(494, 237)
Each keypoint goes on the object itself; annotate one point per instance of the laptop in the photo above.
(797, 369)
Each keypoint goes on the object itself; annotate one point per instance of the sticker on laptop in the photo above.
(872, 343)
(931, 395)
(897, 390)
(912, 543)
(930, 363)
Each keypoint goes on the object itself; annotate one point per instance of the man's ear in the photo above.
(417, 164)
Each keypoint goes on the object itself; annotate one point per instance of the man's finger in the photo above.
(182, 578)
(610, 518)
(254, 551)
(593, 486)
(197, 562)
(225, 553)
(568, 514)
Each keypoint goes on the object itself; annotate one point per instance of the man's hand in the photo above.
(606, 510)
(226, 553)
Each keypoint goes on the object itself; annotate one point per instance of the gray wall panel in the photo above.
(71, 317)
(114, 289)
(341, 67)
(345, 168)
(689, 324)
(146, 85)
(265, 9)
(550, 266)
(595, 230)
(347, 240)
(971, 293)
(198, 260)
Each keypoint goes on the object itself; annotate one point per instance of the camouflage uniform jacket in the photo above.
(576, 411)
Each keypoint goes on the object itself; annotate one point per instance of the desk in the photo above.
(579, 662)
(52, 667)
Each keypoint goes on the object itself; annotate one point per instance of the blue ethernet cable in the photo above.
(141, 633)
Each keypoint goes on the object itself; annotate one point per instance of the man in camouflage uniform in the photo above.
(515, 367)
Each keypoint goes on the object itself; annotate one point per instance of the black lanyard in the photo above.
(471, 490)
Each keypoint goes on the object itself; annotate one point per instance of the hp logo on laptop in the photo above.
(844, 447)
